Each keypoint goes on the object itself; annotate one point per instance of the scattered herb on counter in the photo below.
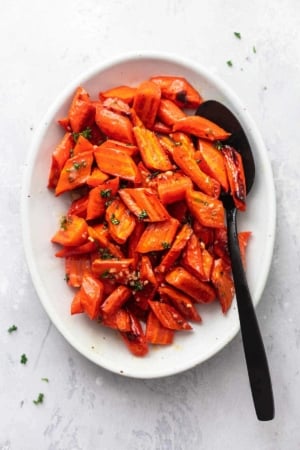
(12, 329)
(23, 359)
(229, 63)
(237, 35)
(45, 379)
(39, 399)
(254, 49)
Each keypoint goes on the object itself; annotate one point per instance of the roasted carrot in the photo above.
(109, 267)
(156, 333)
(181, 302)
(130, 149)
(146, 102)
(74, 173)
(91, 295)
(82, 112)
(73, 231)
(222, 280)
(75, 267)
(243, 237)
(168, 112)
(183, 280)
(83, 249)
(146, 270)
(169, 317)
(76, 306)
(178, 245)
(116, 105)
(179, 90)
(126, 93)
(207, 210)
(99, 196)
(117, 163)
(82, 145)
(120, 221)
(78, 207)
(192, 258)
(158, 236)
(152, 153)
(115, 300)
(236, 176)
(144, 204)
(135, 338)
(133, 242)
(113, 125)
(161, 128)
(201, 127)
(120, 320)
(60, 155)
(96, 177)
(172, 187)
(211, 161)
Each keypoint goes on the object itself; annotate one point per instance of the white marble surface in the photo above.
(44, 45)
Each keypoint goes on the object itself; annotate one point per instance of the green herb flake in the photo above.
(218, 145)
(153, 174)
(63, 223)
(87, 133)
(106, 274)
(114, 220)
(229, 63)
(136, 285)
(254, 49)
(67, 278)
(143, 215)
(166, 245)
(12, 329)
(105, 253)
(237, 35)
(40, 399)
(45, 379)
(23, 359)
(79, 165)
(105, 193)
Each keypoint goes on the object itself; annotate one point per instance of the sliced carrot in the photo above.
(75, 267)
(106, 249)
(116, 105)
(96, 177)
(179, 90)
(114, 125)
(64, 122)
(146, 102)
(204, 234)
(156, 333)
(60, 155)
(78, 207)
(161, 128)
(178, 245)
(99, 196)
(236, 176)
(126, 93)
(133, 242)
(76, 306)
(192, 258)
(73, 231)
(82, 145)
(207, 210)
(83, 249)
(184, 157)
(145, 204)
(91, 295)
(168, 112)
(181, 302)
(75, 172)
(130, 149)
(183, 280)
(152, 153)
(207, 261)
(135, 338)
(117, 163)
(115, 300)
(146, 270)
(243, 237)
(172, 188)
(168, 316)
(120, 320)
(121, 222)
(201, 127)
(222, 280)
(109, 267)
(220, 244)
(158, 236)
(82, 112)
(211, 161)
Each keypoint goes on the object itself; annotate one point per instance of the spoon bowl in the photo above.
(256, 360)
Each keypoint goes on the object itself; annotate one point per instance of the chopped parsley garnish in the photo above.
(237, 35)
(67, 277)
(143, 215)
(229, 63)
(79, 165)
(12, 328)
(153, 174)
(166, 245)
(105, 253)
(114, 220)
(39, 399)
(136, 285)
(218, 145)
(63, 223)
(254, 49)
(106, 274)
(23, 359)
(45, 379)
(105, 193)
(87, 133)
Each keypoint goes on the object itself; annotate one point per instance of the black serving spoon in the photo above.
(257, 365)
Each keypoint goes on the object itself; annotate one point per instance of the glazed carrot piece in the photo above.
(107, 250)
(236, 176)
(178, 245)
(152, 153)
(207, 261)
(99, 196)
(168, 144)
(115, 300)
(82, 112)
(204, 234)
(91, 295)
(78, 207)
(130, 149)
(59, 157)
(64, 122)
(183, 155)
(146, 270)
(133, 242)
(110, 267)
(179, 90)
(144, 204)
(117, 163)
(120, 320)
(96, 177)
(75, 267)
(120, 221)
(75, 172)
(156, 333)
(220, 245)
(172, 188)
(168, 112)
(181, 302)
(76, 306)
(243, 237)
(146, 102)
(168, 316)
(179, 211)
(211, 161)
(161, 128)
(222, 280)
(73, 231)
(183, 280)
(135, 338)
(192, 258)
(201, 127)
(83, 249)
(113, 125)
(207, 210)
(82, 145)
(158, 236)
(125, 93)
(116, 105)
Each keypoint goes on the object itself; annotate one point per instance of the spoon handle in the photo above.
(256, 360)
